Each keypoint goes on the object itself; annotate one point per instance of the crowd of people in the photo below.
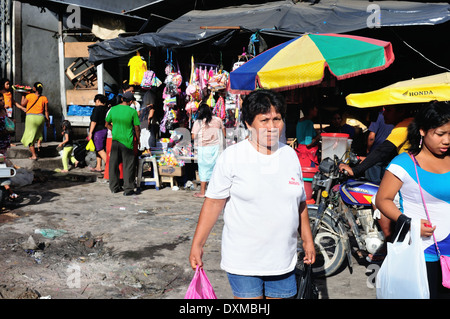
(257, 182)
(119, 128)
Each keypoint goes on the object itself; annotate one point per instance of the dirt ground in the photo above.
(114, 247)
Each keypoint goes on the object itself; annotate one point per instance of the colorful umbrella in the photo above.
(302, 61)
(420, 90)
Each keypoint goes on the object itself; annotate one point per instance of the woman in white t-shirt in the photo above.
(208, 134)
(258, 184)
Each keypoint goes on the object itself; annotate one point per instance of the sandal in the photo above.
(198, 195)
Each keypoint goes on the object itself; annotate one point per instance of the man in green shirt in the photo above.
(123, 121)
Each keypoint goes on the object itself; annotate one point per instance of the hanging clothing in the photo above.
(137, 69)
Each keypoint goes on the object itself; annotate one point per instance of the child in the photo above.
(5, 88)
(68, 146)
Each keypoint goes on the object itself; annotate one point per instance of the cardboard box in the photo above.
(171, 170)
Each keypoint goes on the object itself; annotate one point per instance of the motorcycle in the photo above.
(342, 218)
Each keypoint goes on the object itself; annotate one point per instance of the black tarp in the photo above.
(282, 18)
(108, 6)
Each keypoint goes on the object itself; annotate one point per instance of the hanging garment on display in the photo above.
(137, 69)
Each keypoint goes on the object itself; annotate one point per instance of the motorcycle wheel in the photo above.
(329, 244)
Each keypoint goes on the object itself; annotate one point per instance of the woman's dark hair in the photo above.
(66, 125)
(39, 87)
(2, 83)
(432, 115)
(204, 112)
(259, 102)
(103, 99)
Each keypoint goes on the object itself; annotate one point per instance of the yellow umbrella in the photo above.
(421, 90)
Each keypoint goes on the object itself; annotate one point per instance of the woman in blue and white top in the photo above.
(429, 137)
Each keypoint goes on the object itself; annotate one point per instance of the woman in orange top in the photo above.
(5, 89)
(35, 105)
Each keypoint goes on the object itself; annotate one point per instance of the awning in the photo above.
(282, 18)
(116, 7)
(419, 90)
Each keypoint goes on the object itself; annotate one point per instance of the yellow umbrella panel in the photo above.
(420, 90)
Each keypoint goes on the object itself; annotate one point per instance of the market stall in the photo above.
(173, 158)
(185, 83)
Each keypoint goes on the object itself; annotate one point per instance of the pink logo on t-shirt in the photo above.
(293, 182)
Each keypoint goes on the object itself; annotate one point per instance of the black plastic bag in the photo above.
(306, 288)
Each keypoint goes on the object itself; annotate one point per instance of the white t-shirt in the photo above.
(136, 106)
(261, 214)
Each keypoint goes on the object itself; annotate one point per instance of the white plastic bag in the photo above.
(403, 274)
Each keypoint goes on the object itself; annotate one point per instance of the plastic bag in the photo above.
(9, 125)
(50, 233)
(403, 274)
(200, 287)
(306, 287)
(90, 146)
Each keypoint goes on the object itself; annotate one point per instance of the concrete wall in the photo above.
(40, 63)
(40, 53)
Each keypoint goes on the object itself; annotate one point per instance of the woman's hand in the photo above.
(310, 253)
(195, 257)
(426, 230)
(306, 235)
